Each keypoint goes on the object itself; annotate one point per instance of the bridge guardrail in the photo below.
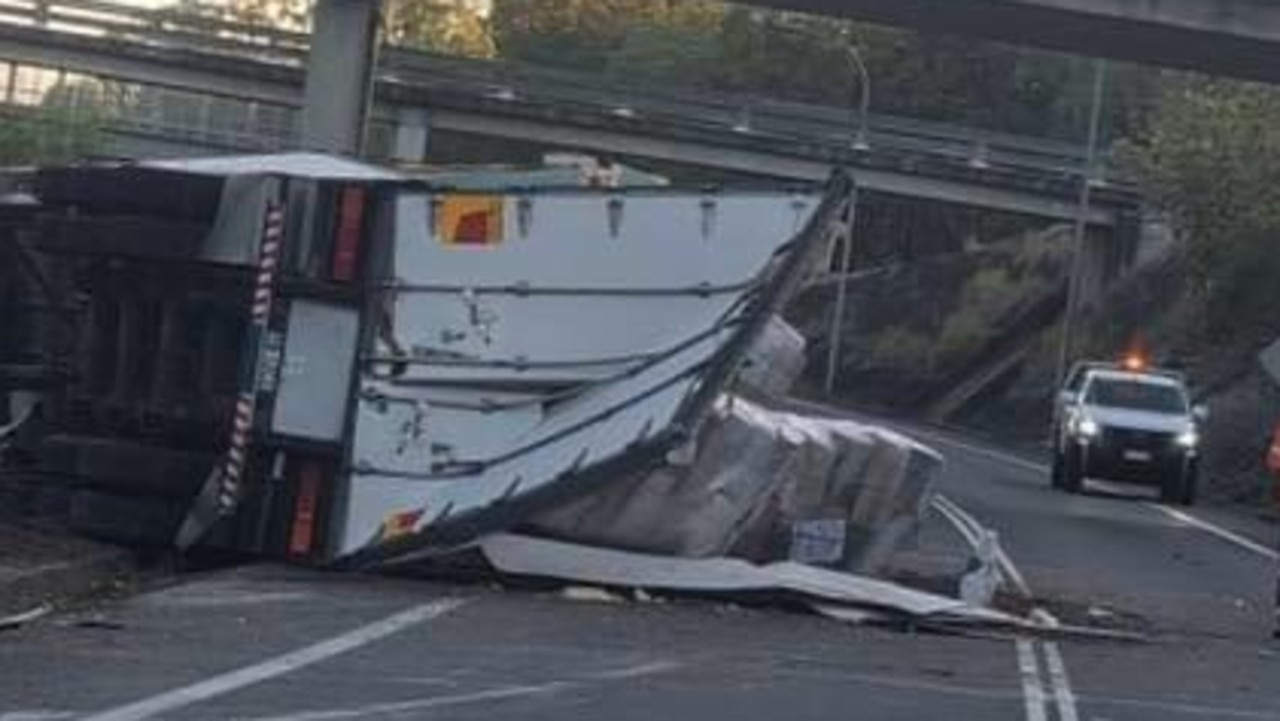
(746, 114)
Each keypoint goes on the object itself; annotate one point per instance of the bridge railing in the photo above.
(729, 112)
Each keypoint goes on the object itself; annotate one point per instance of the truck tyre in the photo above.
(123, 520)
(127, 468)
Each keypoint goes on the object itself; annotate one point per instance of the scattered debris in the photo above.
(19, 620)
(1098, 613)
(98, 622)
(982, 576)
(590, 594)
(541, 558)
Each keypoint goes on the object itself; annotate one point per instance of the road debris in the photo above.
(19, 620)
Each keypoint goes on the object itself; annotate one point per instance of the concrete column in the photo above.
(339, 84)
(1097, 267)
(413, 132)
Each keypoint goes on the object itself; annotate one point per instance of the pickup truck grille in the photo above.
(1136, 439)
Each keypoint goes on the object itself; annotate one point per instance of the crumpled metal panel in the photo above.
(561, 434)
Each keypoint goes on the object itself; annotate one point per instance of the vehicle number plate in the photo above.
(1143, 456)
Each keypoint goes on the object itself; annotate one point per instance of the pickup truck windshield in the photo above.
(1136, 395)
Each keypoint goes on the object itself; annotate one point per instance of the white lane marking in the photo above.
(1214, 530)
(990, 454)
(1062, 693)
(1032, 689)
(502, 693)
(647, 669)
(36, 715)
(225, 683)
(960, 518)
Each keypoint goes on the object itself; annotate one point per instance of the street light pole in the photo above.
(835, 341)
(1081, 230)
(860, 143)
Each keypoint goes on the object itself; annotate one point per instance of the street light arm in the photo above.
(864, 88)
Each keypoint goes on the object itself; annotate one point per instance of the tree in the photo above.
(455, 27)
(1211, 158)
(586, 34)
(443, 26)
(65, 126)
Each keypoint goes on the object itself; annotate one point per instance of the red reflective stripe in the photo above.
(303, 533)
(346, 251)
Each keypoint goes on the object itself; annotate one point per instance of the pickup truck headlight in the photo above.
(1189, 438)
(1087, 428)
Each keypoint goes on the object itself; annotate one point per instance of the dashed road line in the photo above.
(178, 698)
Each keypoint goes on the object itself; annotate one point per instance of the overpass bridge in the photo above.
(240, 87)
(1237, 38)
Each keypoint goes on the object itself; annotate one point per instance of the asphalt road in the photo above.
(269, 642)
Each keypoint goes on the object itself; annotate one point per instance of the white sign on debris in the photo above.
(1270, 359)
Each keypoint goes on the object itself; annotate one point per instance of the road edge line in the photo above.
(1217, 531)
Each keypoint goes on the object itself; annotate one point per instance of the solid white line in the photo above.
(225, 683)
(988, 453)
(1032, 689)
(1062, 693)
(1218, 531)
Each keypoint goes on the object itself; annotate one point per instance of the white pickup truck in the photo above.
(1135, 425)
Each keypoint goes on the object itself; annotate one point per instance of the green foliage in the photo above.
(1211, 157)
(594, 34)
(965, 332)
(453, 27)
(441, 26)
(903, 350)
(65, 126)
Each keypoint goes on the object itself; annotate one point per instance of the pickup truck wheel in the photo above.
(1072, 471)
(124, 520)
(1057, 471)
(1190, 485)
(1175, 488)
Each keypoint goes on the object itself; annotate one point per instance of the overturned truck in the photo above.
(303, 357)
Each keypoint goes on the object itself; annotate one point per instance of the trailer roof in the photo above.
(305, 165)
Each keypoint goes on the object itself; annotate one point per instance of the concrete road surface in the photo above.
(269, 642)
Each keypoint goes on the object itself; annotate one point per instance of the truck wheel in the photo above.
(126, 521)
(127, 468)
(1072, 471)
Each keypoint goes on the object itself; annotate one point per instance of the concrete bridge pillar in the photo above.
(339, 84)
(1107, 255)
(412, 134)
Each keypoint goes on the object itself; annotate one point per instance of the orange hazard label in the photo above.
(470, 220)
